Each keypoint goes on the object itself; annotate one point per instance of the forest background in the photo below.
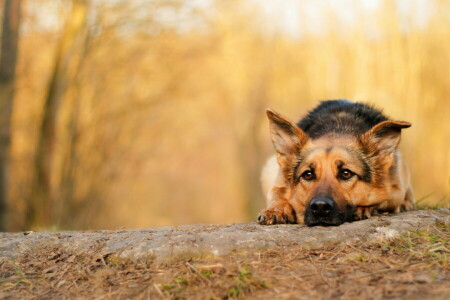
(125, 114)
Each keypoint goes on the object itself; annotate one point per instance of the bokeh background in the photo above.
(144, 113)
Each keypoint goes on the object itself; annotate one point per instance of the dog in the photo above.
(340, 163)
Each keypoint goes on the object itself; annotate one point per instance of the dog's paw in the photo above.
(407, 206)
(364, 212)
(282, 214)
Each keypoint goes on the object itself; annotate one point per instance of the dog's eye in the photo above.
(308, 175)
(346, 174)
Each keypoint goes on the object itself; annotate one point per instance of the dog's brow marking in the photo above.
(295, 175)
(302, 157)
(366, 170)
(328, 149)
(298, 163)
(367, 173)
(339, 163)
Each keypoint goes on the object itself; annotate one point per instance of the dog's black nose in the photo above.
(322, 207)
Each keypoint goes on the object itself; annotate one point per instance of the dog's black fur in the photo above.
(339, 163)
(340, 116)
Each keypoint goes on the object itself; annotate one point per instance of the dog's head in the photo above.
(329, 176)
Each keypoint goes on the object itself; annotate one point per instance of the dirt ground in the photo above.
(414, 266)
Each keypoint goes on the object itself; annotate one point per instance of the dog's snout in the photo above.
(322, 206)
(321, 210)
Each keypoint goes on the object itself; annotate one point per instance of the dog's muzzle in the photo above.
(323, 211)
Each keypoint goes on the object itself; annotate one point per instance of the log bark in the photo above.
(200, 240)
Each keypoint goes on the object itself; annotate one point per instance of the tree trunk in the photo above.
(42, 202)
(8, 59)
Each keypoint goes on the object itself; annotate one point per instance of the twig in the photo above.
(320, 273)
(336, 254)
(386, 270)
(102, 258)
(362, 250)
(158, 290)
(196, 271)
(207, 267)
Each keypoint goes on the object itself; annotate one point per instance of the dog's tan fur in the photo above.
(388, 191)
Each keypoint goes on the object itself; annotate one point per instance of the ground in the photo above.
(413, 264)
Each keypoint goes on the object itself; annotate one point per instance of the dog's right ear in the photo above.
(287, 138)
(384, 137)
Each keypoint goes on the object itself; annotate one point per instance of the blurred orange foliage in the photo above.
(162, 117)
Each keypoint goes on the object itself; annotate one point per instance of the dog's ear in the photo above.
(287, 138)
(384, 137)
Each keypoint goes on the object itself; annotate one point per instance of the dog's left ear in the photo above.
(287, 137)
(384, 137)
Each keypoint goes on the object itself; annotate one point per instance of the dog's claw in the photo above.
(262, 219)
(407, 206)
(283, 214)
(364, 212)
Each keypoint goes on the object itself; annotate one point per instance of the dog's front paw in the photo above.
(281, 214)
(364, 212)
(407, 206)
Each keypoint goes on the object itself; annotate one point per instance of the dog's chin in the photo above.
(324, 223)
(336, 220)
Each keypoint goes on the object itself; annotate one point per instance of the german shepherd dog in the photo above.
(338, 164)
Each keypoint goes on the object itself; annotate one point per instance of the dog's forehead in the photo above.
(333, 151)
(331, 140)
(330, 147)
(329, 153)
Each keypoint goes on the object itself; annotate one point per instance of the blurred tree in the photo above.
(8, 59)
(159, 115)
(41, 202)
